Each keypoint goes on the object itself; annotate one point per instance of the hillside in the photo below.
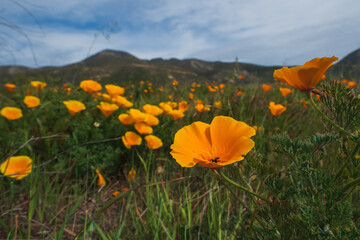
(111, 66)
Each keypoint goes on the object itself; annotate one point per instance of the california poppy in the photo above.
(177, 114)
(107, 108)
(38, 85)
(114, 90)
(183, 106)
(201, 108)
(90, 86)
(276, 109)
(131, 174)
(174, 83)
(218, 104)
(152, 109)
(101, 181)
(31, 101)
(11, 113)
(131, 139)
(214, 145)
(285, 91)
(122, 102)
(266, 87)
(143, 128)
(17, 167)
(126, 119)
(305, 77)
(74, 106)
(137, 115)
(151, 120)
(153, 142)
(10, 87)
(166, 108)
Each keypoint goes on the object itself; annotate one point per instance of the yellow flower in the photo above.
(285, 91)
(101, 181)
(223, 142)
(218, 104)
(276, 109)
(266, 87)
(107, 108)
(16, 167)
(151, 120)
(177, 114)
(183, 106)
(74, 106)
(11, 113)
(305, 77)
(38, 85)
(131, 139)
(126, 119)
(143, 128)
(131, 175)
(137, 115)
(153, 142)
(90, 86)
(10, 87)
(122, 102)
(152, 109)
(114, 90)
(31, 101)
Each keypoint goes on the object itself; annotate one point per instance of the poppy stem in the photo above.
(326, 118)
(239, 186)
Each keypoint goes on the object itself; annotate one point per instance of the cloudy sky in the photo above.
(266, 32)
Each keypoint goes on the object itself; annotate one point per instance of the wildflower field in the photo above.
(201, 160)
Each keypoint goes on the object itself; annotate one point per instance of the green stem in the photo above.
(241, 187)
(349, 157)
(311, 100)
(353, 183)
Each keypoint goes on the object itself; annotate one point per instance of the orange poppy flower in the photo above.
(192, 90)
(305, 77)
(17, 167)
(285, 91)
(173, 105)
(122, 102)
(211, 89)
(107, 108)
(90, 86)
(74, 106)
(137, 115)
(276, 109)
(116, 193)
(177, 114)
(131, 174)
(201, 108)
(345, 81)
(131, 139)
(222, 86)
(266, 87)
(166, 108)
(223, 142)
(38, 85)
(239, 93)
(351, 84)
(126, 119)
(174, 83)
(152, 109)
(153, 142)
(151, 120)
(143, 128)
(101, 181)
(191, 96)
(218, 104)
(11, 113)
(31, 101)
(183, 106)
(241, 77)
(114, 90)
(106, 97)
(10, 87)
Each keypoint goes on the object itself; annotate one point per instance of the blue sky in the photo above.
(265, 32)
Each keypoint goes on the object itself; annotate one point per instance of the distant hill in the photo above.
(109, 66)
(348, 67)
